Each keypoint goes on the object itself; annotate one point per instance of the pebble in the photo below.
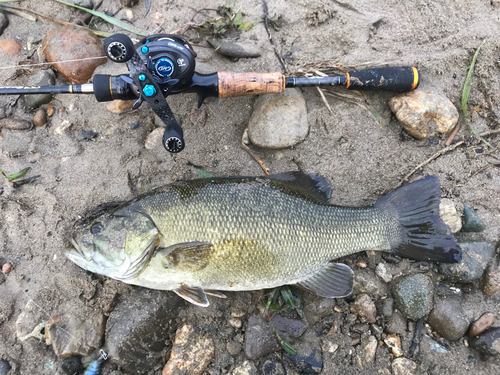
(86, 135)
(383, 272)
(10, 46)
(490, 282)
(396, 324)
(236, 323)
(154, 139)
(288, 329)
(13, 123)
(364, 307)
(366, 281)
(279, 121)
(449, 214)
(40, 117)
(233, 348)
(246, 368)
(63, 127)
(6, 268)
(318, 309)
(4, 367)
(424, 114)
(84, 3)
(394, 342)
(475, 258)
(140, 323)
(482, 324)
(371, 349)
(40, 78)
(119, 106)
(329, 346)
(259, 338)
(403, 366)
(201, 352)
(472, 223)
(4, 22)
(198, 117)
(387, 307)
(69, 43)
(273, 367)
(227, 48)
(307, 359)
(72, 365)
(447, 318)
(488, 342)
(134, 125)
(129, 3)
(50, 110)
(414, 295)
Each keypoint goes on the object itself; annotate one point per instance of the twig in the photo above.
(257, 159)
(442, 152)
(324, 100)
(266, 24)
(452, 135)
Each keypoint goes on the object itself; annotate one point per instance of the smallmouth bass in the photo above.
(249, 233)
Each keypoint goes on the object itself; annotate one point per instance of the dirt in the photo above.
(361, 159)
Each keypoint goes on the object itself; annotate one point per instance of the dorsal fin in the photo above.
(311, 184)
(334, 281)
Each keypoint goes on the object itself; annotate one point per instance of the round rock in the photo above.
(40, 117)
(414, 295)
(475, 258)
(69, 43)
(40, 78)
(403, 366)
(72, 365)
(259, 338)
(424, 114)
(448, 318)
(4, 367)
(364, 307)
(10, 46)
(482, 324)
(279, 121)
(472, 223)
(234, 50)
(318, 309)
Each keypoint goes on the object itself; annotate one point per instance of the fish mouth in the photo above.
(75, 253)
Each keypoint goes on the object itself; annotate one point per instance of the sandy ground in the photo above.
(362, 160)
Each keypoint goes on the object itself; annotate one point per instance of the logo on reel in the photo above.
(164, 67)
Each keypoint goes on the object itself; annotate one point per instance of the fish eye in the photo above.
(96, 228)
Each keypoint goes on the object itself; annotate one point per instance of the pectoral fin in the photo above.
(334, 281)
(187, 256)
(195, 295)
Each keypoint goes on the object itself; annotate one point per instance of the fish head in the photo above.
(117, 246)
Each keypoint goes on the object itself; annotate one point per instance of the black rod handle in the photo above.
(394, 78)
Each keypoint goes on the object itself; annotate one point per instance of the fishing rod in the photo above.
(161, 65)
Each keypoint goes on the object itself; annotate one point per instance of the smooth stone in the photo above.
(366, 281)
(246, 368)
(69, 43)
(482, 324)
(273, 367)
(371, 349)
(233, 348)
(424, 114)
(84, 3)
(288, 329)
(490, 282)
(259, 338)
(472, 223)
(13, 123)
(72, 365)
(475, 258)
(318, 309)
(279, 121)
(414, 295)
(40, 117)
(154, 139)
(4, 367)
(201, 352)
(396, 324)
(365, 308)
(488, 342)
(4, 22)
(447, 318)
(139, 326)
(388, 307)
(10, 46)
(119, 106)
(383, 272)
(234, 50)
(403, 366)
(449, 214)
(308, 359)
(394, 342)
(40, 78)
(86, 135)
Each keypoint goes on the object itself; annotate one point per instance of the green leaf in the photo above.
(286, 346)
(203, 173)
(238, 19)
(111, 20)
(15, 176)
(288, 296)
(468, 82)
(245, 26)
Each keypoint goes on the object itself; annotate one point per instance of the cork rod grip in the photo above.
(241, 84)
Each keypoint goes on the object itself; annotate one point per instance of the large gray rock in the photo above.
(139, 327)
(288, 329)
(40, 78)
(318, 309)
(259, 338)
(475, 258)
(414, 295)
(448, 319)
(488, 342)
(279, 121)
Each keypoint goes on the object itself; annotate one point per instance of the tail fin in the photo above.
(424, 236)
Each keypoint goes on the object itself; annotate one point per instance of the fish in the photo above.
(205, 236)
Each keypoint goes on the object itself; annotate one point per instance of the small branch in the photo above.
(257, 159)
(452, 135)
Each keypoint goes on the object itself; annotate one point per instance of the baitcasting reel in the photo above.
(162, 65)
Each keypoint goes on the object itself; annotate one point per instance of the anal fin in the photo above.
(196, 295)
(334, 281)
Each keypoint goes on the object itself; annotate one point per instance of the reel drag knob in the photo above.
(119, 48)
